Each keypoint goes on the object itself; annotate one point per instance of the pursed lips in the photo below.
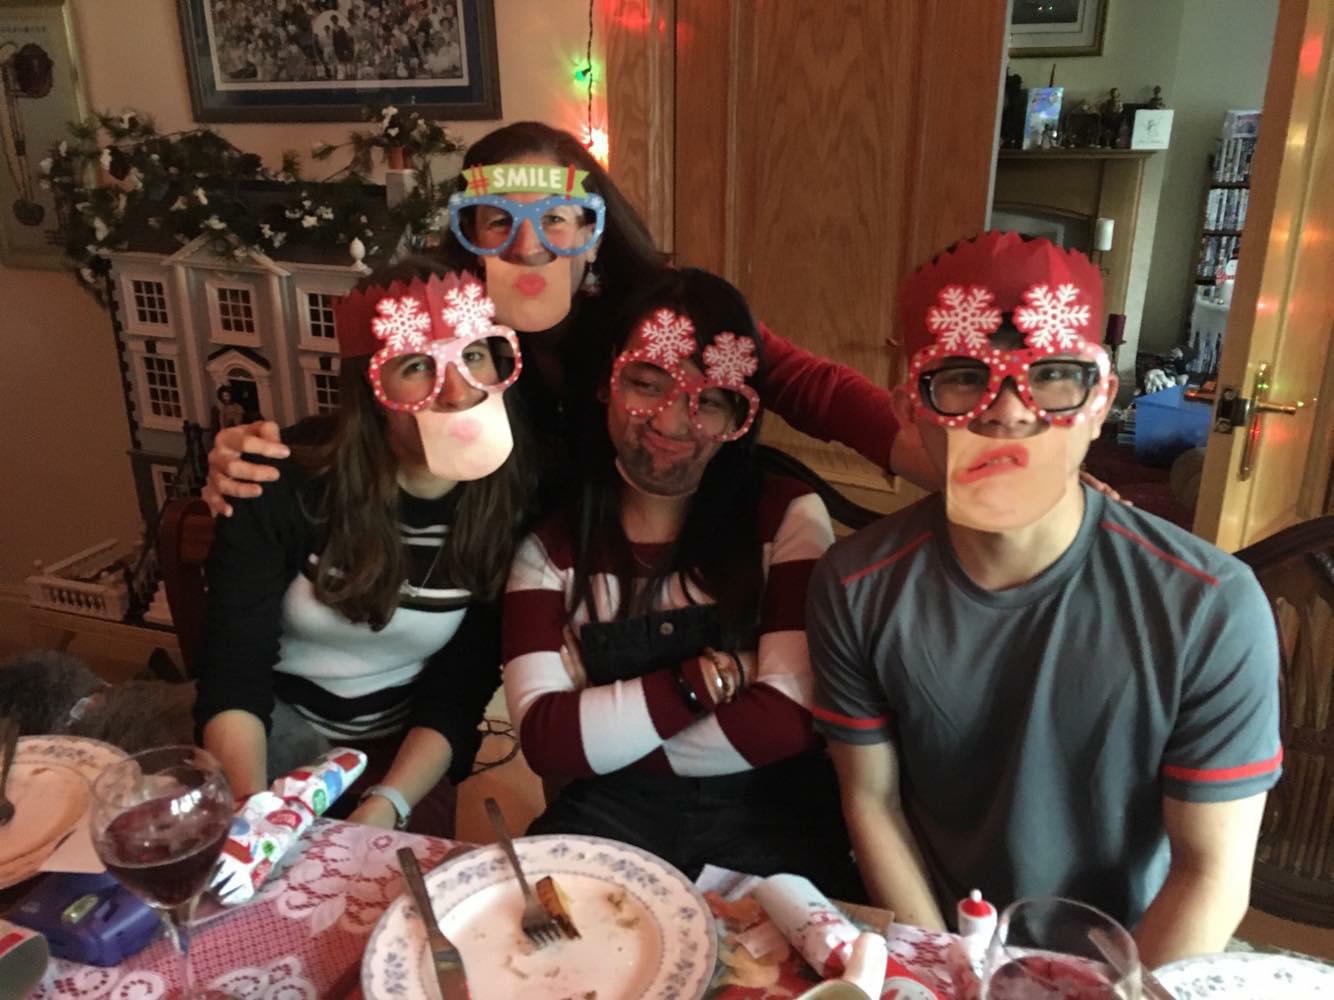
(995, 462)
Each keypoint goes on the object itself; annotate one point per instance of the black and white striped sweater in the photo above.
(435, 664)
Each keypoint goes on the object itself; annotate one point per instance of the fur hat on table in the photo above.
(51, 692)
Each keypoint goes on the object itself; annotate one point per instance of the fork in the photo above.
(540, 926)
(10, 739)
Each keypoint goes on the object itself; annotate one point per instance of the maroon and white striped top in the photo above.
(645, 723)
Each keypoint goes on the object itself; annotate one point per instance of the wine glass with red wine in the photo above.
(159, 820)
(1059, 949)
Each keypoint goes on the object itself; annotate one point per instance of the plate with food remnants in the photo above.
(643, 930)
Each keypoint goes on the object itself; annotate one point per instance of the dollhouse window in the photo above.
(162, 392)
(235, 312)
(164, 479)
(320, 315)
(324, 386)
(150, 301)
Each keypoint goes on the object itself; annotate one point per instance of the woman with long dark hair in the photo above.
(354, 603)
(558, 280)
(655, 652)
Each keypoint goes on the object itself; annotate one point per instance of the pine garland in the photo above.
(191, 183)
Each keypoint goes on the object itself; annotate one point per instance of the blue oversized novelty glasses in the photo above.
(561, 222)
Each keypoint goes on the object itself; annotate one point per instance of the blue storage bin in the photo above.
(1166, 424)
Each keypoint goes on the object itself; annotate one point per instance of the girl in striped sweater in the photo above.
(655, 651)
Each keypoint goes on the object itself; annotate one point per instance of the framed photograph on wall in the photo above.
(1057, 28)
(326, 60)
(40, 81)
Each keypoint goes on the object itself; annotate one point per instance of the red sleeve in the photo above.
(828, 400)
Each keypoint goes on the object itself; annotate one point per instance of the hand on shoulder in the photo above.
(230, 475)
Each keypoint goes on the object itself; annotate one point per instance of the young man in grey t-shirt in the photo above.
(1030, 689)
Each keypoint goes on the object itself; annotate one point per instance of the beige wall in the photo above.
(66, 476)
(1208, 56)
(1222, 63)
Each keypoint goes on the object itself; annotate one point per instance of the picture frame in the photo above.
(1057, 28)
(40, 94)
(305, 60)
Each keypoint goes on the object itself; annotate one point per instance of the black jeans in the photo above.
(784, 817)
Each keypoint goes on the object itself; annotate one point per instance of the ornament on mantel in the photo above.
(358, 251)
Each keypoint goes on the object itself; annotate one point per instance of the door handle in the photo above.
(1260, 406)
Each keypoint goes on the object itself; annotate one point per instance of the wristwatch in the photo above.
(401, 808)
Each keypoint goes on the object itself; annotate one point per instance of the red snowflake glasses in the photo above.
(408, 373)
(647, 381)
(957, 378)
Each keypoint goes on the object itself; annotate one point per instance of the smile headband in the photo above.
(526, 178)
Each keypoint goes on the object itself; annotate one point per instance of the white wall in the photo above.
(1208, 56)
(1222, 62)
(63, 446)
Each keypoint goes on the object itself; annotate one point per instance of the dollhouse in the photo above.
(213, 333)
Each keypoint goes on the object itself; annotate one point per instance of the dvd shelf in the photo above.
(1226, 200)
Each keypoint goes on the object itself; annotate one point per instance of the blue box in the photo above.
(1166, 424)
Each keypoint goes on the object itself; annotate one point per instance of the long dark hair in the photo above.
(719, 549)
(362, 566)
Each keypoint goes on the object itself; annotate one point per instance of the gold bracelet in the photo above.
(709, 668)
(727, 682)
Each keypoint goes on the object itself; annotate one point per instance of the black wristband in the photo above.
(687, 692)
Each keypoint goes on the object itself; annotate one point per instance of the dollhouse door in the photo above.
(812, 152)
(1271, 467)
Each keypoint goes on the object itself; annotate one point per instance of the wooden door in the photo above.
(820, 150)
(1258, 482)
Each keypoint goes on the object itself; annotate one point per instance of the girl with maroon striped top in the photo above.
(654, 635)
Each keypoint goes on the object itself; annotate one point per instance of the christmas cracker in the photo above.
(268, 823)
(819, 932)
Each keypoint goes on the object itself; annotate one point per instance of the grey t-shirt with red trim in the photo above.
(1038, 728)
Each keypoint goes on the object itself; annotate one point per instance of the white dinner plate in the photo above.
(645, 930)
(50, 786)
(1247, 975)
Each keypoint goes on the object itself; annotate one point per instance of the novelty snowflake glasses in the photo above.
(647, 380)
(430, 327)
(959, 376)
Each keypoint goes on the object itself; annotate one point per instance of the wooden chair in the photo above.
(841, 509)
(1294, 862)
(184, 536)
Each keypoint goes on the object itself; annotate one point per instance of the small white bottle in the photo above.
(977, 922)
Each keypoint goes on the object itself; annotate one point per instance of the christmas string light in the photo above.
(595, 139)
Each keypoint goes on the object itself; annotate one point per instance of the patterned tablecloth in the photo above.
(303, 936)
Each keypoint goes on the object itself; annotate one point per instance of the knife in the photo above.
(444, 956)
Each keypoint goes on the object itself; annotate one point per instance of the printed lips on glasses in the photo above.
(648, 380)
(420, 344)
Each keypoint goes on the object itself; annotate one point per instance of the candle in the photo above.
(1102, 234)
(1116, 330)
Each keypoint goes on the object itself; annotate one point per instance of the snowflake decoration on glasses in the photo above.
(401, 324)
(1050, 318)
(730, 359)
(668, 337)
(964, 318)
(469, 311)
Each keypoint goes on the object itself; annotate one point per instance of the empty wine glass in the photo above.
(1058, 949)
(159, 820)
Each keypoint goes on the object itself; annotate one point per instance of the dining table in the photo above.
(303, 935)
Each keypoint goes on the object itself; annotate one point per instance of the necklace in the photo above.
(417, 588)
